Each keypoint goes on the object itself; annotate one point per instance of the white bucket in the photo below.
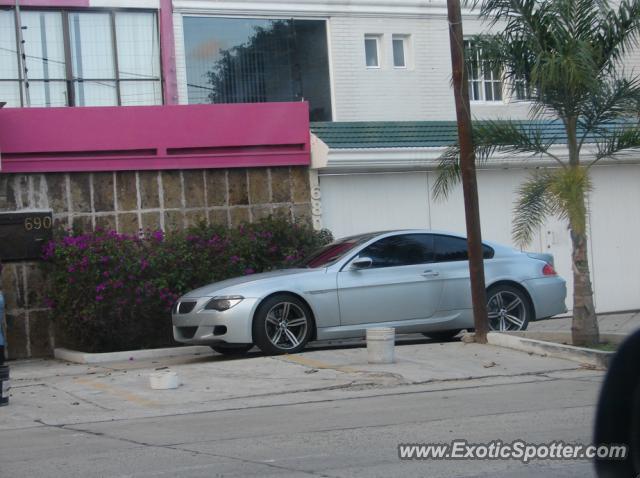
(164, 380)
(381, 344)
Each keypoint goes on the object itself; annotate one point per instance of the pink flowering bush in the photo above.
(111, 291)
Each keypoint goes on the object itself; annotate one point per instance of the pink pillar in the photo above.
(168, 53)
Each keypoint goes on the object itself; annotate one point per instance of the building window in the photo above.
(86, 58)
(400, 50)
(9, 71)
(45, 58)
(138, 55)
(521, 90)
(485, 80)
(245, 60)
(372, 50)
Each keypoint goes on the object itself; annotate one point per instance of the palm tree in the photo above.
(567, 55)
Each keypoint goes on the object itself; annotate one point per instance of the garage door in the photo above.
(355, 203)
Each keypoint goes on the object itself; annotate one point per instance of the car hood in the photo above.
(214, 288)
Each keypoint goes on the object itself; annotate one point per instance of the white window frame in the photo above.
(526, 89)
(406, 49)
(483, 84)
(378, 39)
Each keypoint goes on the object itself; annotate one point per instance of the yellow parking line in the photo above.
(123, 394)
(309, 362)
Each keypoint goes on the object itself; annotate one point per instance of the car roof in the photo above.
(498, 248)
(391, 232)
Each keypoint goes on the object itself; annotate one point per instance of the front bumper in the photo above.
(206, 327)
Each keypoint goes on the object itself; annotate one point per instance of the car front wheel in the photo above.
(282, 324)
(509, 308)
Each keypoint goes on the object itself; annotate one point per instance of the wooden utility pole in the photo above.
(468, 170)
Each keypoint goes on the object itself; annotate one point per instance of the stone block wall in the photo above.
(127, 202)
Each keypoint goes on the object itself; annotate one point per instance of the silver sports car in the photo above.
(414, 280)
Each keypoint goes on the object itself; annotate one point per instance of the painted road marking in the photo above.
(311, 363)
(123, 394)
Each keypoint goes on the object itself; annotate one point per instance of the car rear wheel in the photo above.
(442, 335)
(282, 324)
(509, 308)
(231, 349)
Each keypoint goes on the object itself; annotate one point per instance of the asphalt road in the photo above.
(347, 436)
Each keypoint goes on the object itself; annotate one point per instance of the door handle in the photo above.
(430, 273)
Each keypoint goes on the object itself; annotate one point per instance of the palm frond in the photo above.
(617, 98)
(617, 32)
(567, 190)
(561, 49)
(556, 192)
(448, 173)
(511, 137)
(532, 208)
(615, 141)
(492, 137)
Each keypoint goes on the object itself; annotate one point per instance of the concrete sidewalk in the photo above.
(57, 393)
(618, 323)
(324, 412)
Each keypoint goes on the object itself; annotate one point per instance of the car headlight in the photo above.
(223, 303)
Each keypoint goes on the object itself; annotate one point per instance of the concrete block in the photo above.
(103, 200)
(216, 181)
(149, 197)
(238, 191)
(127, 190)
(596, 358)
(86, 358)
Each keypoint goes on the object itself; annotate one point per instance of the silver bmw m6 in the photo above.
(413, 280)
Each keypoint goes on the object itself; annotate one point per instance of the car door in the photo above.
(452, 262)
(400, 284)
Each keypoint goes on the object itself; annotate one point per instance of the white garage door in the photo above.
(355, 203)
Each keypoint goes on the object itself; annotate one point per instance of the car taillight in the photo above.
(548, 270)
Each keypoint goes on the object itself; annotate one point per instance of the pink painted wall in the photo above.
(153, 137)
(168, 53)
(47, 3)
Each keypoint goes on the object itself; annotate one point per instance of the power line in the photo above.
(49, 60)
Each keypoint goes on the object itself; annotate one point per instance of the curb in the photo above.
(597, 358)
(90, 358)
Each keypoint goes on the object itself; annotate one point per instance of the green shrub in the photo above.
(111, 291)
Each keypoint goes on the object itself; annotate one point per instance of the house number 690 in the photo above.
(36, 223)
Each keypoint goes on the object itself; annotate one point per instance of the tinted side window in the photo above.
(449, 248)
(403, 250)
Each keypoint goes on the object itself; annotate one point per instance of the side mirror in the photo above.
(361, 263)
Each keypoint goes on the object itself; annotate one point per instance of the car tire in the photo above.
(282, 324)
(442, 335)
(509, 308)
(232, 349)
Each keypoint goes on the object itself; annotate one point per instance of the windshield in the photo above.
(331, 253)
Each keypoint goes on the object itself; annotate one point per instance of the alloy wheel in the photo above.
(286, 325)
(507, 311)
